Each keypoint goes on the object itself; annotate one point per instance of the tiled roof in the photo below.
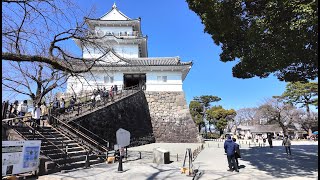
(154, 61)
(261, 128)
(157, 61)
(92, 19)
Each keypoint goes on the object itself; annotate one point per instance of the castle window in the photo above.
(108, 79)
(162, 78)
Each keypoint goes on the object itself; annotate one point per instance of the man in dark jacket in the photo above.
(230, 149)
(270, 140)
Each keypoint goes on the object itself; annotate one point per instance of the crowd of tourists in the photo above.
(100, 95)
(41, 110)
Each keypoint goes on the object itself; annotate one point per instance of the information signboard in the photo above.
(20, 156)
(123, 137)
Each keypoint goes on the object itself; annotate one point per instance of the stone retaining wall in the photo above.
(130, 113)
(171, 119)
(148, 116)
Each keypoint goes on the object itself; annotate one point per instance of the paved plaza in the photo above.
(256, 163)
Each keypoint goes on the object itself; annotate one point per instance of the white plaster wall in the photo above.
(92, 84)
(174, 81)
(124, 50)
(89, 52)
(127, 50)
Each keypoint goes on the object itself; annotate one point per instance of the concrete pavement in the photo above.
(256, 163)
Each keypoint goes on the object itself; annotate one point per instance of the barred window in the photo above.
(108, 79)
(162, 78)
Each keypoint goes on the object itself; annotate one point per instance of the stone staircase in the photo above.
(63, 145)
(61, 152)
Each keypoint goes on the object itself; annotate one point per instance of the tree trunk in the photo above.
(284, 128)
(308, 120)
(221, 131)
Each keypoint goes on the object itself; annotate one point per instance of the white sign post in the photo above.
(20, 156)
(123, 137)
(123, 140)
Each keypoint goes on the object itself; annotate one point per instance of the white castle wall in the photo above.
(174, 81)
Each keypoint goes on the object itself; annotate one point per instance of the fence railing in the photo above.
(86, 104)
(19, 122)
(85, 131)
(100, 147)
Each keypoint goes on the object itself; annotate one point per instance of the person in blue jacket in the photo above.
(230, 149)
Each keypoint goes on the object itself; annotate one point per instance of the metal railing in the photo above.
(100, 147)
(24, 124)
(78, 126)
(122, 34)
(88, 105)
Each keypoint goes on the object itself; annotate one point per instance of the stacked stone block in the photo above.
(171, 119)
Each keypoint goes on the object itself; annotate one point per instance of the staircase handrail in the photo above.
(117, 96)
(30, 127)
(87, 130)
(83, 135)
(40, 148)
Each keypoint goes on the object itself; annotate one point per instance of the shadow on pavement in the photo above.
(303, 161)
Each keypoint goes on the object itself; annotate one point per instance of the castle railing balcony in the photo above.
(126, 34)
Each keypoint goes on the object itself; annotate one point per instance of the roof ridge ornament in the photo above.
(114, 5)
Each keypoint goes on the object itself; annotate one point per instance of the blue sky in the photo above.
(174, 30)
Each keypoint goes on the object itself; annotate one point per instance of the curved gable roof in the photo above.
(114, 14)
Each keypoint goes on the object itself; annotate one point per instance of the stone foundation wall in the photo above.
(131, 114)
(148, 116)
(170, 117)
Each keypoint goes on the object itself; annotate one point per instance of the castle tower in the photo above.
(122, 51)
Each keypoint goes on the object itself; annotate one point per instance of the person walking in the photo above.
(44, 113)
(15, 108)
(72, 103)
(36, 116)
(93, 101)
(116, 89)
(62, 106)
(230, 149)
(111, 93)
(23, 108)
(287, 143)
(56, 106)
(237, 152)
(270, 140)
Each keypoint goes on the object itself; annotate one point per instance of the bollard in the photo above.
(177, 157)
(120, 168)
(249, 144)
(246, 142)
(126, 153)
(218, 145)
(139, 154)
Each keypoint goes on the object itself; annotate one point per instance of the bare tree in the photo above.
(35, 80)
(307, 120)
(247, 116)
(42, 31)
(37, 36)
(275, 110)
